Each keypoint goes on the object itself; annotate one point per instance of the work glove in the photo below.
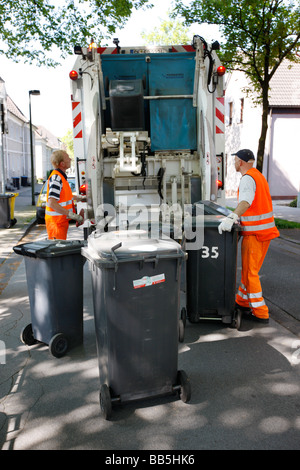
(226, 224)
(72, 215)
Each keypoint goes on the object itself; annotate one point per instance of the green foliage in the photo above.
(69, 143)
(259, 35)
(169, 32)
(282, 223)
(42, 31)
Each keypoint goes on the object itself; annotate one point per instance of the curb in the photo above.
(291, 240)
(28, 228)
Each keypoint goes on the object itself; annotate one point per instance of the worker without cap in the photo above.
(255, 211)
(59, 205)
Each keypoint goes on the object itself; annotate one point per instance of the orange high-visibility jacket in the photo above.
(65, 200)
(259, 219)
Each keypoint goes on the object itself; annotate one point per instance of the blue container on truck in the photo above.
(171, 122)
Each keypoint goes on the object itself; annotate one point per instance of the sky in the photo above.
(52, 108)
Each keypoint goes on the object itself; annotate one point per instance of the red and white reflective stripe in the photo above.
(183, 49)
(107, 50)
(220, 116)
(77, 120)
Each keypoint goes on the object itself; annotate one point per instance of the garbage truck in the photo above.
(148, 128)
(149, 143)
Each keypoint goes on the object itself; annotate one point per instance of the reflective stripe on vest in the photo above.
(66, 193)
(62, 204)
(259, 218)
(254, 228)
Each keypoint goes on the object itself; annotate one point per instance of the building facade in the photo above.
(45, 144)
(243, 126)
(15, 168)
(16, 143)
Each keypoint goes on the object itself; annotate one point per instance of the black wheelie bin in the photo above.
(136, 284)
(211, 273)
(54, 273)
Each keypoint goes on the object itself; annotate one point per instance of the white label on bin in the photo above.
(147, 281)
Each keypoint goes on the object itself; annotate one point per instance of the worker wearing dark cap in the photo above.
(255, 211)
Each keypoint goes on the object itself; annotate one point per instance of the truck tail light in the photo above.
(73, 75)
(221, 70)
(220, 184)
(82, 189)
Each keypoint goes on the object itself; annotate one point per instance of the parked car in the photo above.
(41, 202)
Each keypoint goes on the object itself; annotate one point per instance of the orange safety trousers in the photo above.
(250, 292)
(56, 230)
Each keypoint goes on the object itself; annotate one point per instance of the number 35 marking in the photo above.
(210, 253)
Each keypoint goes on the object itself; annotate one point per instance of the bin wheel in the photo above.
(105, 402)
(26, 335)
(237, 319)
(185, 386)
(58, 345)
(183, 315)
(181, 331)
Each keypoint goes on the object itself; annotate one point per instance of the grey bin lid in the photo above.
(129, 245)
(211, 208)
(49, 248)
(208, 221)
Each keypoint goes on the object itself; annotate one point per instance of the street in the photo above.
(245, 384)
(281, 268)
(245, 390)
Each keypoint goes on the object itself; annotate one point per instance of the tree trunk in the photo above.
(264, 129)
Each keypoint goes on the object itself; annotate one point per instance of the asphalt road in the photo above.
(280, 277)
(245, 384)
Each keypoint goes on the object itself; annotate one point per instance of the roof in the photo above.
(52, 141)
(285, 86)
(13, 108)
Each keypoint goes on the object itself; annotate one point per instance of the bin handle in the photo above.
(113, 249)
(115, 258)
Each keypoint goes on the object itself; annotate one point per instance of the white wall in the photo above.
(281, 160)
(284, 165)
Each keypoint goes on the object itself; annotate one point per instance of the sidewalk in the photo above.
(24, 212)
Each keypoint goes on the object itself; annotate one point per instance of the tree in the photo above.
(169, 32)
(38, 30)
(259, 35)
(68, 142)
